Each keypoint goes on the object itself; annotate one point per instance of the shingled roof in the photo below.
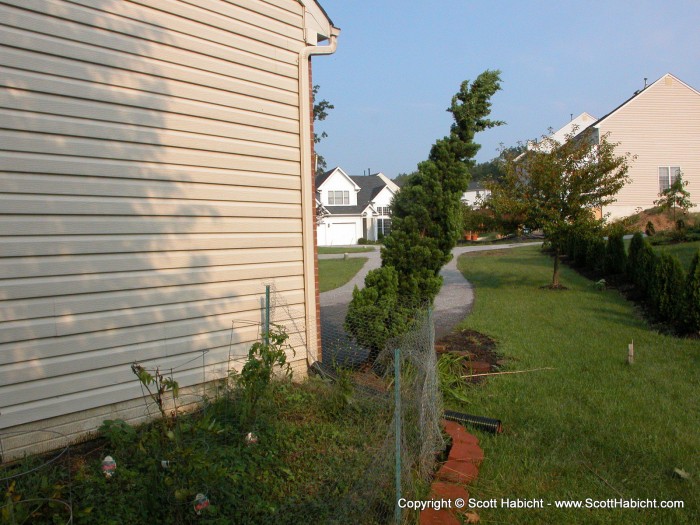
(370, 186)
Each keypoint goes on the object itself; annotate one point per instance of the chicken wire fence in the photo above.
(397, 389)
(402, 378)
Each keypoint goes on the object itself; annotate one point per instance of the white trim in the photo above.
(308, 216)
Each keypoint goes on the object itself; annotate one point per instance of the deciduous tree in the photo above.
(675, 196)
(559, 186)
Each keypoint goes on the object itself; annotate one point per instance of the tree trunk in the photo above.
(555, 275)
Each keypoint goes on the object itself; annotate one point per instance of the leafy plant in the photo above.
(157, 386)
(118, 432)
(264, 358)
(450, 372)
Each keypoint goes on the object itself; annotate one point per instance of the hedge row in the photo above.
(672, 295)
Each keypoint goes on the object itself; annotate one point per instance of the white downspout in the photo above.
(307, 199)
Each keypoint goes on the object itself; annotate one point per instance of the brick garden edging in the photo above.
(461, 467)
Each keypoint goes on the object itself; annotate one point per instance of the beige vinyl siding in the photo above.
(150, 188)
(661, 126)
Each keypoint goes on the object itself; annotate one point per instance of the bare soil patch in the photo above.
(473, 345)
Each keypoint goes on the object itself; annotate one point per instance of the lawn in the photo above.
(684, 251)
(323, 250)
(594, 427)
(334, 273)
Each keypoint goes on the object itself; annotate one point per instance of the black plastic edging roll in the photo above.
(483, 423)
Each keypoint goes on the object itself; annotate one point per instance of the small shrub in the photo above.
(650, 230)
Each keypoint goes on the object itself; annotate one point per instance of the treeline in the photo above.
(671, 295)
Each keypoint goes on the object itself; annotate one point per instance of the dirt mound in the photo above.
(662, 220)
(472, 344)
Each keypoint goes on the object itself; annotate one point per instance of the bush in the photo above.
(646, 261)
(581, 249)
(632, 269)
(595, 255)
(375, 314)
(615, 256)
(692, 297)
(666, 290)
(649, 229)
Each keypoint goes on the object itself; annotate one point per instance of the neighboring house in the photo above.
(156, 174)
(660, 125)
(475, 195)
(353, 207)
(574, 127)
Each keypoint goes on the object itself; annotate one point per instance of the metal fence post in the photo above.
(397, 419)
(266, 335)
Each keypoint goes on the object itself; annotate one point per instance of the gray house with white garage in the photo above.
(352, 207)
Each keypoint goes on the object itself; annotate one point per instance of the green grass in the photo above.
(322, 250)
(594, 427)
(684, 251)
(334, 273)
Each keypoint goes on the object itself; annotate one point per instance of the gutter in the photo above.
(308, 200)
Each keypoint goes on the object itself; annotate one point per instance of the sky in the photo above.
(399, 63)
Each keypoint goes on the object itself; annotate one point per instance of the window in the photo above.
(383, 227)
(338, 198)
(383, 210)
(667, 176)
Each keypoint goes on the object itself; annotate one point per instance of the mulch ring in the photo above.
(478, 350)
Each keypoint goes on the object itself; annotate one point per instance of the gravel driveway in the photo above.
(451, 305)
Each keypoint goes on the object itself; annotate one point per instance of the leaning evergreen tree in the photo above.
(426, 220)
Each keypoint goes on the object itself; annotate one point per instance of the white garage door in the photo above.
(342, 233)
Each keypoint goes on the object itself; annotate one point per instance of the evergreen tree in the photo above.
(427, 217)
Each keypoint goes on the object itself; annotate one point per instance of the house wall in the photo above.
(337, 182)
(383, 199)
(470, 197)
(661, 126)
(151, 187)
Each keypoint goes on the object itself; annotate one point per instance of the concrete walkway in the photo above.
(451, 305)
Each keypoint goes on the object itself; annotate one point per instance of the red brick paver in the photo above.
(449, 491)
(438, 517)
(461, 467)
(458, 471)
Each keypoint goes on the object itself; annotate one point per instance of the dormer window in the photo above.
(338, 198)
